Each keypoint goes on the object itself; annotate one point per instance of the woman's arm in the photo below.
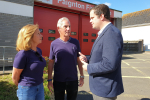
(16, 75)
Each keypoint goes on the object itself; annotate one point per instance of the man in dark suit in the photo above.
(104, 63)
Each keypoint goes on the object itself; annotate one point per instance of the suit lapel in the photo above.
(98, 38)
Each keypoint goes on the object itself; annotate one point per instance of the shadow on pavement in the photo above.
(145, 99)
(123, 58)
(83, 95)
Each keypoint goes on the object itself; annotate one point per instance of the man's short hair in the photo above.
(101, 9)
(60, 21)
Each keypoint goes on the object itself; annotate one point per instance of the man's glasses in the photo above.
(40, 58)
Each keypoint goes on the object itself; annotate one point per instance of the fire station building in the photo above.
(14, 14)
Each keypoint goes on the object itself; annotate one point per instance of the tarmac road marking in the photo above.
(143, 60)
(124, 95)
(137, 62)
(135, 77)
(139, 71)
(125, 63)
(135, 95)
(148, 61)
(126, 76)
(136, 69)
(127, 56)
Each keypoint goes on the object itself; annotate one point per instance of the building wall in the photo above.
(14, 14)
(118, 23)
(23, 2)
(136, 33)
(118, 19)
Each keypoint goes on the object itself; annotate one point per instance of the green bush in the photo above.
(8, 89)
(46, 67)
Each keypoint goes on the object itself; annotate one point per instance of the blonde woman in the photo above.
(29, 64)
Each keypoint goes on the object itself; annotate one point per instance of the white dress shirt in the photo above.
(102, 29)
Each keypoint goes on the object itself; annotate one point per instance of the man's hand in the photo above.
(82, 57)
(84, 65)
(81, 82)
(50, 86)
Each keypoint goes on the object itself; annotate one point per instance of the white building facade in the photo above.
(136, 26)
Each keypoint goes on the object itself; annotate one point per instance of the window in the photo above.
(41, 30)
(51, 31)
(51, 38)
(92, 40)
(85, 40)
(73, 33)
(93, 34)
(85, 34)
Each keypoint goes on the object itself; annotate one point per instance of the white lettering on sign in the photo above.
(71, 4)
(88, 7)
(48, 1)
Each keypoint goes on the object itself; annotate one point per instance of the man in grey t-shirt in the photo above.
(64, 53)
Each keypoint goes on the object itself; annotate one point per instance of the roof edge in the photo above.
(132, 13)
(137, 25)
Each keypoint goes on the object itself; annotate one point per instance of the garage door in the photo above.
(47, 20)
(88, 35)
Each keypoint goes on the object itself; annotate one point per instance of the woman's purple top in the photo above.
(32, 65)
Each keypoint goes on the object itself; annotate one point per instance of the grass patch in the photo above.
(8, 89)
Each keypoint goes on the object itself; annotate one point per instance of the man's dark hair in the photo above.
(101, 9)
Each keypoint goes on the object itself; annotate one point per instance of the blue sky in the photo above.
(126, 6)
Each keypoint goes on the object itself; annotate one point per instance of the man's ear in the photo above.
(102, 17)
(58, 28)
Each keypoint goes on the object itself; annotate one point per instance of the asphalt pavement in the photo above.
(136, 78)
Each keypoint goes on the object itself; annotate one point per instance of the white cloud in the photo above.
(108, 4)
(96, 2)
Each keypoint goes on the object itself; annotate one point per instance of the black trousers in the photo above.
(71, 88)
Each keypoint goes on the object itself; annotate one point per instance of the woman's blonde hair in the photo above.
(24, 37)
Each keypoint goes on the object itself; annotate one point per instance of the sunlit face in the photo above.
(37, 37)
(95, 20)
(65, 29)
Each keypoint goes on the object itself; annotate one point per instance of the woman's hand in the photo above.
(16, 75)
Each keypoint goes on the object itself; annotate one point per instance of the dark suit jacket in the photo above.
(104, 66)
